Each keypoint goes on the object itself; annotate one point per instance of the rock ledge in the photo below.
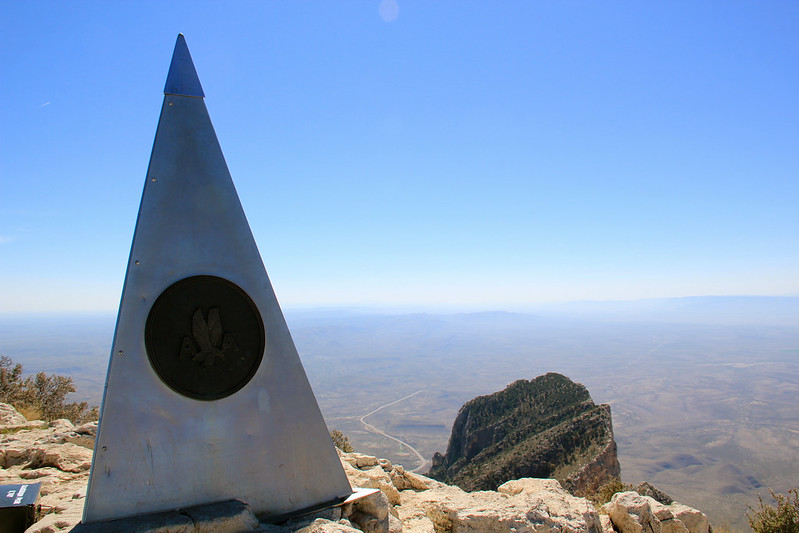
(59, 456)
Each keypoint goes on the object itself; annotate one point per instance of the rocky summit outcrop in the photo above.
(631, 512)
(57, 456)
(547, 427)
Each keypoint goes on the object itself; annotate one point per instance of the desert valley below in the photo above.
(704, 408)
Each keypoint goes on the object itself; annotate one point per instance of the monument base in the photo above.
(230, 515)
(358, 494)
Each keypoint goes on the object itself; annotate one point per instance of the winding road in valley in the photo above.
(422, 461)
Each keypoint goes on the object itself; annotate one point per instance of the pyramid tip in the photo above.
(182, 79)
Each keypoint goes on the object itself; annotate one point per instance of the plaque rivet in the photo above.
(120, 352)
(136, 262)
(153, 178)
(170, 104)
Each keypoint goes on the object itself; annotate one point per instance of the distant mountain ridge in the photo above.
(547, 427)
(733, 309)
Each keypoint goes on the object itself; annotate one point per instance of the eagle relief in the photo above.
(189, 347)
(208, 344)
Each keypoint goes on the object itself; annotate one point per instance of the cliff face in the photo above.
(544, 428)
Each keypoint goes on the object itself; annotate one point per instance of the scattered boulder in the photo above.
(647, 489)
(65, 457)
(403, 480)
(34, 451)
(572, 513)
(521, 505)
(370, 513)
(359, 460)
(631, 512)
(320, 525)
(12, 420)
(373, 478)
(10, 417)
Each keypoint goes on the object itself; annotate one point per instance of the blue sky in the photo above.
(476, 154)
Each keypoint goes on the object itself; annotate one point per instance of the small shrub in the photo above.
(781, 519)
(605, 493)
(341, 441)
(442, 521)
(41, 396)
(10, 380)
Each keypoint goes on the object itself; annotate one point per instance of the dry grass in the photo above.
(30, 412)
(724, 527)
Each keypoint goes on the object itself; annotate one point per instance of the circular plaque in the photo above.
(204, 337)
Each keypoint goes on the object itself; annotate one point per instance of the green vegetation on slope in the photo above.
(546, 427)
(341, 441)
(784, 518)
(41, 396)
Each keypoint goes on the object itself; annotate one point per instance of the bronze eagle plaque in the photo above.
(204, 337)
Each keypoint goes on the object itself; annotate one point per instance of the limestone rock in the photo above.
(38, 452)
(54, 522)
(62, 425)
(632, 513)
(522, 505)
(65, 457)
(647, 489)
(371, 513)
(372, 478)
(359, 460)
(10, 417)
(11, 420)
(575, 514)
(394, 524)
(607, 523)
(320, 525)
(403, 480)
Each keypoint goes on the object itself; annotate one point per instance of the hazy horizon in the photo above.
(703, 409)
(392, 308)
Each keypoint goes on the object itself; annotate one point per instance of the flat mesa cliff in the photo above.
(58, 455)
(547, 427)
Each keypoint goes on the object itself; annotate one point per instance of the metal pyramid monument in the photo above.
(206, 398)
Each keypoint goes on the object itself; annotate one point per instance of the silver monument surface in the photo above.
(206, 398)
